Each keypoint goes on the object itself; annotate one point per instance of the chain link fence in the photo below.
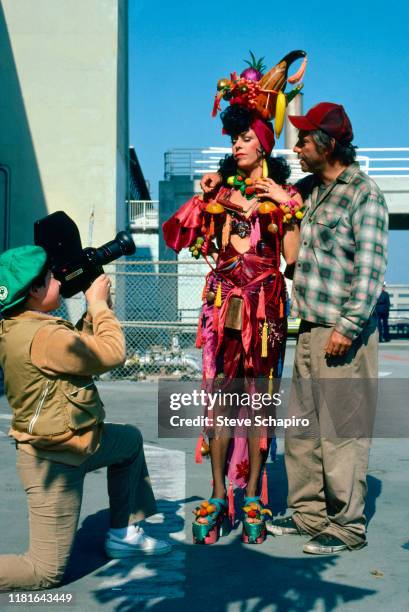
(158, 304)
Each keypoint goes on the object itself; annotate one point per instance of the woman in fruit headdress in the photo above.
(244, 227)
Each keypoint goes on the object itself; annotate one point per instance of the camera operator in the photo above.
(58, 421)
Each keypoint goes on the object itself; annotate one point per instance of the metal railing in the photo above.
(143, 215)
(182, 162)
(377, 162)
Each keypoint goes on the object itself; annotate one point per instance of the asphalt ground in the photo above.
(230, 576)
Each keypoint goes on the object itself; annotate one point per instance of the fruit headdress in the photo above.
(262, 93)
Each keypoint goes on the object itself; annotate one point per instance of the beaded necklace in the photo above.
(246, 185)
(243, 184)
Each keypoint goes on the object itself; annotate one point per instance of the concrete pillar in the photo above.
(291, 133)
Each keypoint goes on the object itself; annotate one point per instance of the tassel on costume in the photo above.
(198, 343)
(215, 319)
(218, 299)
(281, 308)
(210, 232)
(205, 247)
(226, 231)
(230, 500)
(264, 338)
(198, 449)
(261, 306)
(264, 488)
(263, 444)
(217, 304)
(255, 234)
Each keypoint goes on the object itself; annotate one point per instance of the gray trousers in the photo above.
(54, 495)
(327, 462)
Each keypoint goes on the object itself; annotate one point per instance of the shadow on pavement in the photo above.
(374, 491)
(211, 577)
(220, 576)
(88, 550)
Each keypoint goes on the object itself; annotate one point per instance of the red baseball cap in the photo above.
(328, 117)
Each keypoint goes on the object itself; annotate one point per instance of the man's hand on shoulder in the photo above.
(337, 345)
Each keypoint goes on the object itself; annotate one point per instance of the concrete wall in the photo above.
(64, 113)
(396, 192)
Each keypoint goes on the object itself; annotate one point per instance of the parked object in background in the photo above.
(159, 361)
(398, 325)
(293, 325)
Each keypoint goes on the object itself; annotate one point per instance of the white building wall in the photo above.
(396, 192)
(147, 246)
(64, 113)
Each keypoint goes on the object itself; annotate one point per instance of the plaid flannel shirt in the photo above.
(343, 251)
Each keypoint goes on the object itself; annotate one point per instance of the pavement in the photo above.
(230, 576)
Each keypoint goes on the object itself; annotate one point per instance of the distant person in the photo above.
(58, 421)
(382, 312)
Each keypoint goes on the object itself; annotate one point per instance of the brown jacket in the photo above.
(48, 365)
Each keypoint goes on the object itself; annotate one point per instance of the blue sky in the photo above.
(358, 56)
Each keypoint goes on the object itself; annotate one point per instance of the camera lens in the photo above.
(121, 245)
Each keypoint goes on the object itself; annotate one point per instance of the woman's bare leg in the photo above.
(218, 455)
(257, 460)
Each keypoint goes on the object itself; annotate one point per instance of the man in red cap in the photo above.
(338, 276)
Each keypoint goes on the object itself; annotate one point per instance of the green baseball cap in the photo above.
(19, 267)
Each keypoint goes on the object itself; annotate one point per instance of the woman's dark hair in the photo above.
(236, 119)
(344, 153)
(278, 169)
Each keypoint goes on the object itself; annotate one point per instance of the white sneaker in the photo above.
(138, 544)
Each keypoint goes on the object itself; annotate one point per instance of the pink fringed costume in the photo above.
(255, 352)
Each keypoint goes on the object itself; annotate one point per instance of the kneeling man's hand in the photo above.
(337, 345)
(99, 290)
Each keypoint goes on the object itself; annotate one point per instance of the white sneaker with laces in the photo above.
(139, 544)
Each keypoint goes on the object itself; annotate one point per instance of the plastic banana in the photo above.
(280, 113)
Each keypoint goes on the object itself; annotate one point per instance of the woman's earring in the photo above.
(265, 169)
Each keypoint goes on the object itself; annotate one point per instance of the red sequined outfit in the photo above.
(255, 278)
